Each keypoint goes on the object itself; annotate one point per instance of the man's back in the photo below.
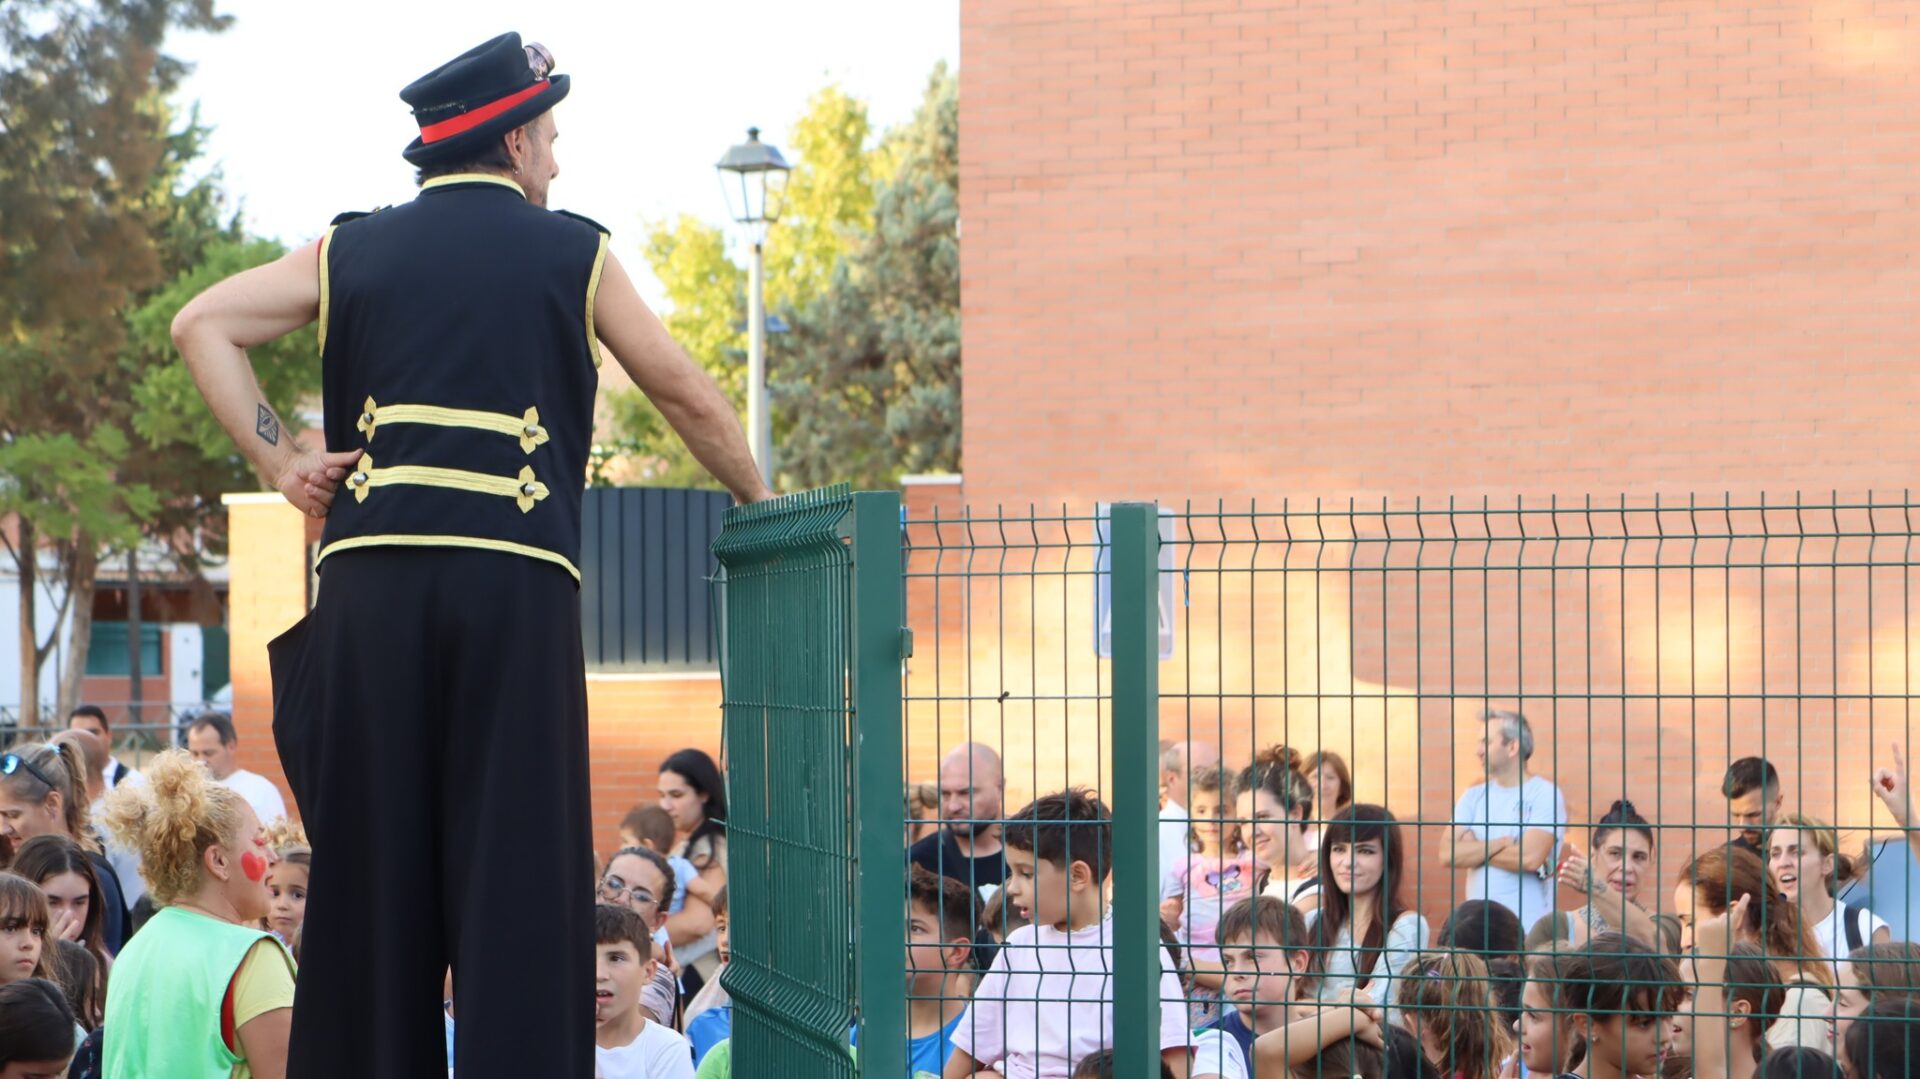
(456, 353)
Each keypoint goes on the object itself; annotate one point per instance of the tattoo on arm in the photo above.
(267, 426)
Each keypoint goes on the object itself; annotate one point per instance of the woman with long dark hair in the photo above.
(1365, 932)
(74, 900)
(694, 794)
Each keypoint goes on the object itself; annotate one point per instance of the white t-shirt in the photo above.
(1217, 1054)
(1832, 930)
(1047, 1002)
(1492, 812)
(260, 793)
(658, 1053)
(1174, 826)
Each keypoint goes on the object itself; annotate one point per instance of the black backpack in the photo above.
(1855, 938)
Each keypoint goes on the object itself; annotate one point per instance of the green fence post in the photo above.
(879, 866)
(1135, 674)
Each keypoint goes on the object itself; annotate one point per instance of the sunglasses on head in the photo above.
(540, 59)
(13, 762)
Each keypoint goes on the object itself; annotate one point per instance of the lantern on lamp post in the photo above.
(753, 176)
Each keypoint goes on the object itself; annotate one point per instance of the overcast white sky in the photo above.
(308, 120)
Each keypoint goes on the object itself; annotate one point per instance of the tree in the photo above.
(827, 209)
(90, 213)
(869, 388)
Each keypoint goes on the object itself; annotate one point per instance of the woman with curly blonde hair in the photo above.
(201, 991)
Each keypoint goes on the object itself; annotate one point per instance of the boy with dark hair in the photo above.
(1100, 1066)
(941, 923)
(627, 1045)
(1047, 1003)
(1752, 790)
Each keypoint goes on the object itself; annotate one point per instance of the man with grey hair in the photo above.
(1177, 763)
(1507, 830)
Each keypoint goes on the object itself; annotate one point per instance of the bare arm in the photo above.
(263, 1041)
(1526, 856)
(960, 1066)
(213, 333)
(1178, 1060)
(1891, 786)
(684, 394)
(1302, 1039)
(693, 921)
(1468, 851)
(1614, 907)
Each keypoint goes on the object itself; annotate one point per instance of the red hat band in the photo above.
(467, 121)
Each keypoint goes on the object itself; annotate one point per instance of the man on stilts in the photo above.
(431, 710)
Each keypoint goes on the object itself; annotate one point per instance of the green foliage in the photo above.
(870, 387)
(864, 263)
(68, 486)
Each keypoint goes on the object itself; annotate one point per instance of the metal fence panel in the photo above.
(645, 560)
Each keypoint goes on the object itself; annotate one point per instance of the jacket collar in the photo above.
(466, 178)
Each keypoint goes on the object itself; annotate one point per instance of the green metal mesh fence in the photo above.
(1341, 663)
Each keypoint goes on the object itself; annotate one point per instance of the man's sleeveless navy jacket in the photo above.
(457, 350)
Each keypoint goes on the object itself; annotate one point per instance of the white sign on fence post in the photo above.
(1103, 582)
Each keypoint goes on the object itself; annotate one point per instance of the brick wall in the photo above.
(1251, 249)
(1246, 247)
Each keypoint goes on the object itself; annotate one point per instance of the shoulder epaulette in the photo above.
(585, 220)
(355, 215)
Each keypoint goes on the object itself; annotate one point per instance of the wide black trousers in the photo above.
(431, 716)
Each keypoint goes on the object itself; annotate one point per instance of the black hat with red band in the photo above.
(471, 101)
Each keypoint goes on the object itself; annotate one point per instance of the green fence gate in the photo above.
(1651, 643)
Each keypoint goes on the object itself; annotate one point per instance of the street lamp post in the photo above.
(753, 177)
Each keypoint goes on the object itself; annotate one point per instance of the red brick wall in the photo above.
(1244, 247)
(1240, 249)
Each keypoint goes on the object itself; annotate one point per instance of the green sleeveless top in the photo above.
(163, 1001)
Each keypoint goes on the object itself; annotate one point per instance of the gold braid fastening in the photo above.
(524, 428)
(524, 489)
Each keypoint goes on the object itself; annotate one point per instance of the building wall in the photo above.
(1263, 249)
(634, 722)
(1252, 248)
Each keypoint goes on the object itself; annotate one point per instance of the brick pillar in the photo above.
(267, 593)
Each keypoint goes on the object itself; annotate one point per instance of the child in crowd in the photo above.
(627, 1045)
(1100, 1066)
(1263, 948)
(1883, 1042)
(1217, 873)
(1550, 1040)
(287, 883)
(1446, 1003)
(1278, 801)
(80, 979)
(1803, 854)
(74, 900)
(1797, 1062)
(1001, 916)
(1877, 970)
(639, 879)
(1492, 932)
(1709, 886)
(708, 1018)
(1616, 994)
(36, 1030)
(940, 931)
(1753, 995)
(1047, 1003)
(652, 827)
(1365, 932)
(25, 931)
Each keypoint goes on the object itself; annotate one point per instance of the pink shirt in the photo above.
(1048, 1002)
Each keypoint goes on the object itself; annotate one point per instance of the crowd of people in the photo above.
(151, 920)
(1293, 942)
(157, 915)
